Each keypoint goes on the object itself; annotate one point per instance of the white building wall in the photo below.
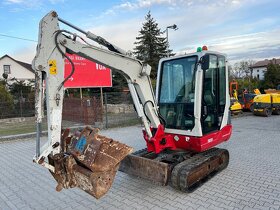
(17, 71)
(258, 72)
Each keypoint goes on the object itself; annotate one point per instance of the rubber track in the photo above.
(183, 170)
(140, 152)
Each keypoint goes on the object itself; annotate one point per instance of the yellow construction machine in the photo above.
(267, 104)
(277, 90)
(236, 107)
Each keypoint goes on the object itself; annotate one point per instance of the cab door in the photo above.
(213, 94)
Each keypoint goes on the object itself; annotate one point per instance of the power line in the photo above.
(14, 37)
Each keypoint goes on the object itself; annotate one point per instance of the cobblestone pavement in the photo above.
(251, 181)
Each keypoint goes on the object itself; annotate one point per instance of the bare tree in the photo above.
(242, 69)
(236, 71)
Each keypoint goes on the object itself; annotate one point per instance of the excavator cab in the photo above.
(191, 93)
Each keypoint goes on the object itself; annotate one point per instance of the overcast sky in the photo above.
(243, 29)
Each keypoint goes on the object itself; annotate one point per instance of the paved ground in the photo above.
(251, 181)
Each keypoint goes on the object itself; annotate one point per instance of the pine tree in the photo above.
(272, 76)
(150, 45)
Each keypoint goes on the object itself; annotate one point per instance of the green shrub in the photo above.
(6, 102)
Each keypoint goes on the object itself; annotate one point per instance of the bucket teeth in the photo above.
(90, 162)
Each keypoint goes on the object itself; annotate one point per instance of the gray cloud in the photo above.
(200, 22)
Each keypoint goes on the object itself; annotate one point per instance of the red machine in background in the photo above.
(246, 99)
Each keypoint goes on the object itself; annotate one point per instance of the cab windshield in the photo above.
(176, 94)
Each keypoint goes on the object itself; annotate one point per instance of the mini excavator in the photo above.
(182, 123)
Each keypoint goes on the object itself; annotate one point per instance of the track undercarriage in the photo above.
(181, 169)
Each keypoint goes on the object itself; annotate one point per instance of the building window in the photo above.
(7, 69)
(258, 70)
(258, 76)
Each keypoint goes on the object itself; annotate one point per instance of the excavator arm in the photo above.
(53, 44)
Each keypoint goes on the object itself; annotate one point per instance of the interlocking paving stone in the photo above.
(251, 181)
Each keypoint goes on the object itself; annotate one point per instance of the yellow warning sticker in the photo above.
(52, 67)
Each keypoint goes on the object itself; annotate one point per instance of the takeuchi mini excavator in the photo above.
(182, 123)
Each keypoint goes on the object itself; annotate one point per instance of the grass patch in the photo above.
(29, 125)
(128, 122)
(19, 128)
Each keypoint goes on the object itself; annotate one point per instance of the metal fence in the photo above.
(17, 108)
(85, 110)
(104, 111)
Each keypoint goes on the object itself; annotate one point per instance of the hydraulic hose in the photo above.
(64, 54)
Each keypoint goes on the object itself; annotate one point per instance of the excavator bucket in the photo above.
(89, 161)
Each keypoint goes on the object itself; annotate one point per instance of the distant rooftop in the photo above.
(25, 65)
(265, 62)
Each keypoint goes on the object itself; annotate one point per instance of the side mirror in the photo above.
(205, 62)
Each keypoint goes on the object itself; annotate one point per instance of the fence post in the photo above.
(106, 111)
(101, 111)
(20, 102)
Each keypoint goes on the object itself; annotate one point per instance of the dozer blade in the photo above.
(141, 166)
(89, 162)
